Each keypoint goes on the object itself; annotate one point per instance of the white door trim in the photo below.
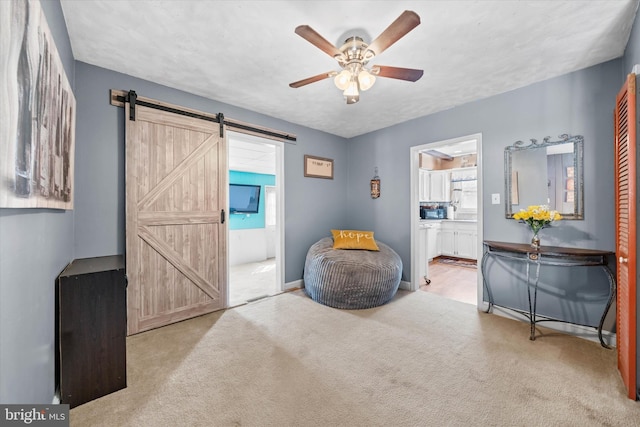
(415, 215)
(279, 186)
(279, 214)
(270, 191)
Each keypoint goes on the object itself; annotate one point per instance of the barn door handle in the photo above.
(222, 216)
(623, 260)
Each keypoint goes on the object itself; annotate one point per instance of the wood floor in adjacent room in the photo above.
(453, 281)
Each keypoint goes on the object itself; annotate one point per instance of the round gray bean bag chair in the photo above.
(351, 278)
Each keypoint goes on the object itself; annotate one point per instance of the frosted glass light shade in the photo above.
(342, 79)
(352, 89)
(366, 80)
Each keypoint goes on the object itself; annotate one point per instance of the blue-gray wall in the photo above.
(35, 246)
(580, 103)
(99, 192)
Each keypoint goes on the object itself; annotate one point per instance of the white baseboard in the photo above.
(296, 284)
(405, 286)
(579, 331)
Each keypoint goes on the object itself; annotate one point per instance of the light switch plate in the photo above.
(495, 199)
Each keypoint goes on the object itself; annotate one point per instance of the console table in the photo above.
(546, 255)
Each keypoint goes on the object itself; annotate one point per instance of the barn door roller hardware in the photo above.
(120, 97)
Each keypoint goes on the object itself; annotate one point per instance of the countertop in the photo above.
(425, 221)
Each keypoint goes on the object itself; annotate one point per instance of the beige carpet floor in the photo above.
(420, 360)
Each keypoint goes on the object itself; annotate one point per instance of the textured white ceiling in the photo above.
(246, 53)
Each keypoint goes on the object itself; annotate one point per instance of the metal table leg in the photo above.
(484, 280)
(612, 293)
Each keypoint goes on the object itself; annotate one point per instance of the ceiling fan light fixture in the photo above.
(343, 79)
(365, 80)
(353, 99)
(355, 54)
(351, 93)
(352, 89)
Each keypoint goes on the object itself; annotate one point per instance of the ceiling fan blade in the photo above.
(310, 35)
(313, 79)
(409, 74)
(394, 32)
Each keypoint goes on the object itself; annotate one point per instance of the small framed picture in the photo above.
(318, 167)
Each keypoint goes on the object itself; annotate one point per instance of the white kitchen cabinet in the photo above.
(433, 240)
(428, 244)
(447, 240)
(467, 244)
(435, 186)
(422, 250)
(439, 186)
(424, 185)
(459, 239)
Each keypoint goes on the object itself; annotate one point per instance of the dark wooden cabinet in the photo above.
(91, 323)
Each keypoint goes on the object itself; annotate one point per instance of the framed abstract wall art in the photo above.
(37, 112)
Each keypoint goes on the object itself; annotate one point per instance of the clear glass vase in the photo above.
(535, 241)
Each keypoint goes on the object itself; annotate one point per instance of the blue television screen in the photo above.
(244, 198)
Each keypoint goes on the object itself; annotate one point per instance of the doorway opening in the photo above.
(255, 243)
(446, 215)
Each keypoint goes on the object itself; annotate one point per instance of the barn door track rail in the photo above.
(120, 97)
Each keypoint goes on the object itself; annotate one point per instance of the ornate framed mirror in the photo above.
(545, 173)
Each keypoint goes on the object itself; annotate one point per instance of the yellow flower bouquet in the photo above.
(537, 217)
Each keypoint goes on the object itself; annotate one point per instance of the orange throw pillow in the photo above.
(354, 239)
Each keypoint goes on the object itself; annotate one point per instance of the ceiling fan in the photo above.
(354, 55)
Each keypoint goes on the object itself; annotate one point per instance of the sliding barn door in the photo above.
(175, 237)
(625, 169)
